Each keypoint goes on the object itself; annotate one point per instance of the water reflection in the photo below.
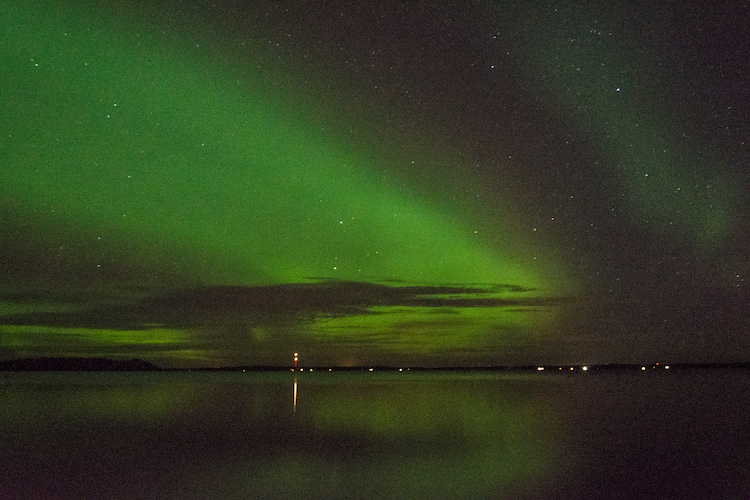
(231, 435)
(295, 394)
(373, 435)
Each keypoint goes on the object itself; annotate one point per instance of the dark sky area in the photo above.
(424, 183)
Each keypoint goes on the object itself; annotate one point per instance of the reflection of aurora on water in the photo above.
(431, 435)
(462, 435)
(374, 434)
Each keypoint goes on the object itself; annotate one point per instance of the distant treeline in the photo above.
(76, 364)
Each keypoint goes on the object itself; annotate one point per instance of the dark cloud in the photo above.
(260, 305)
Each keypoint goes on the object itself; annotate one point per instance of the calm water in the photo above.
(375, 435)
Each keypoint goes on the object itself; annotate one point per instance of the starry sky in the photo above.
(227, 183)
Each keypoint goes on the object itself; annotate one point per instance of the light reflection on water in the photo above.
(365, 435)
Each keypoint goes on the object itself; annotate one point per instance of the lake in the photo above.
(348, 435)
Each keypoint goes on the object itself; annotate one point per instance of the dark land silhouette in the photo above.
(76, 364)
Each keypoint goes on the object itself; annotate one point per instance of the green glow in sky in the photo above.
(670, 185)
(565, 153)
(160, 345)
(195, 162)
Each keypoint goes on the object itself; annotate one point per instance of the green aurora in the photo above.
(134, 145)
(152, 150)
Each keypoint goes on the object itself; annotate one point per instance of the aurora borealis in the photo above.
(205, 183)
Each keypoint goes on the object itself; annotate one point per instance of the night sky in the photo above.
(395, 183)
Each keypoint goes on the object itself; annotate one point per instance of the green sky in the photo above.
(151, 149)
(163, 148)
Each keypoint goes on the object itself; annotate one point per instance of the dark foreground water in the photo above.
(375, 435)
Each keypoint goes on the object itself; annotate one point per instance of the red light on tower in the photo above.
(296, 358)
